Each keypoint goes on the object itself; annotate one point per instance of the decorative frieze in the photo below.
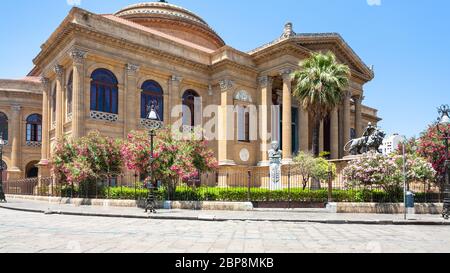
(226, 84)
(132, 69)
(243, 96)
(104, 116)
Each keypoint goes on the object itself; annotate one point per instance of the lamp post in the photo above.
(443, 129)
(2, 193)
(153, 125)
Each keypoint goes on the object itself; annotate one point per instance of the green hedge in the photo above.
(256, 195)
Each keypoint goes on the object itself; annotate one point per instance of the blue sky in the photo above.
(407, 41)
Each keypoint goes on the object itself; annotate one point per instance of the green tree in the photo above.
(320, 85)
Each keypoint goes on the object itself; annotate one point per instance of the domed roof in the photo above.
(173, 20)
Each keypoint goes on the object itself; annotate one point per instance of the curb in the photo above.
(216, 219)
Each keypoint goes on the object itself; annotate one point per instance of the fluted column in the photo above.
(334, 134)
(226, 124)
(78, 57)
(45, 120)
(358, 115)
(132, 104)
(347, 114)
(59, 71)
(14, 171)
(287, 115)
(265, 90)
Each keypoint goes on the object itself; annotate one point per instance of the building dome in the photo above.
(172, 20)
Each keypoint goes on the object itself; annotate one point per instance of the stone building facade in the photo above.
(101, 72)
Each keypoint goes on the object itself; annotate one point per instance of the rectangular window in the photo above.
(247, 126)
(108, 100)
(101, 99)
(93, 97)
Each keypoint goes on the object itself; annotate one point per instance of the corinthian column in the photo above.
(226, 124)
(346, 107)
(45, 120)
(334, 134)
(287, 116)
(14, 172)
(265, 86)
(59, 71)
(358, 115)
(132, 102)
(78, 57)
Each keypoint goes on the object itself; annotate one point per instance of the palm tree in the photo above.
(320, 86)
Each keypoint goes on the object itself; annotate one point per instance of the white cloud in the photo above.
(374, 2)
(73, 2)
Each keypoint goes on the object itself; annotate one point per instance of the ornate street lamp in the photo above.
(443, 129)
(153, 125)
(2, 193)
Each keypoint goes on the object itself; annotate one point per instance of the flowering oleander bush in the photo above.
(175, 158)
(431, 146)
(386, 172)
(86, 159)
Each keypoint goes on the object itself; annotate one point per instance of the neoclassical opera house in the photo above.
(101, 71)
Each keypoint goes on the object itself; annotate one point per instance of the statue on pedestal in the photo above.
(275, 155)
(371, 140)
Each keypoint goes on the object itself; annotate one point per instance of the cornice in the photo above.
(230, 64)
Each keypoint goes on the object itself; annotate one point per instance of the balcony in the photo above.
(109, 117)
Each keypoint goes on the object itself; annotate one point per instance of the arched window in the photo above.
(104, 91)
(69, 93)
(191, 108)
(4, 126)
(4, 169)
(32, 170)
(34, 128)
(152, 94)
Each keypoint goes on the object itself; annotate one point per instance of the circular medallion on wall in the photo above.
(244, 155)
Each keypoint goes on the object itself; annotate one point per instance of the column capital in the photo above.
(59, 70)
(78, 56)
(176, 79)
(265, 81)
(358, 98)
(45, 82)
(226, 84)
(132, 69)
(286, 74)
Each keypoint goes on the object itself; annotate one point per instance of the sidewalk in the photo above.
(277, 215)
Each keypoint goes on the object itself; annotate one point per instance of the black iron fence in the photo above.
(229, 184)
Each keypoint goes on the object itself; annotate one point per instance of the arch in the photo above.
(191, 106)
(104, 91)
(152, 94)
(4, 170)
(31, 170)
(4, 125)
(34, 128)
(69, 93)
